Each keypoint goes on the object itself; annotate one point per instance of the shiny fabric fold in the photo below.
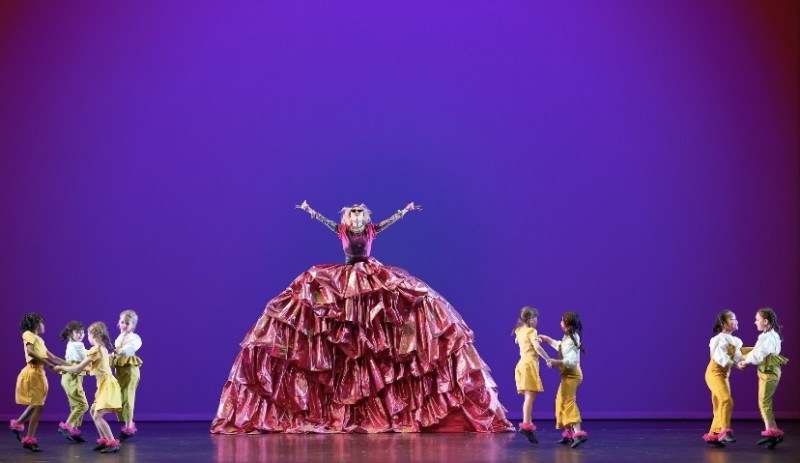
(365, 348)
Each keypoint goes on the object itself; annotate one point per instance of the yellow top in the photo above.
(100, 363)
(525, 338)
(37, 342)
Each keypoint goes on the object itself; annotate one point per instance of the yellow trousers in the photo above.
(128, 379)
(567, 412)
(721, 399)
(78, 405)
(767, 384)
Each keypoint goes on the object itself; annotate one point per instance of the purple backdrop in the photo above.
(635, 161)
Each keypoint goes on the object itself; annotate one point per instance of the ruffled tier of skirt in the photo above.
(364, 348)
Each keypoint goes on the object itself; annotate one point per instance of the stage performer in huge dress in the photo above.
(359, 347)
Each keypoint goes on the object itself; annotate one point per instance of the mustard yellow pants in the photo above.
(767, 384)
(128, 379)
(567, 412)
(78, 405)
(721, 399)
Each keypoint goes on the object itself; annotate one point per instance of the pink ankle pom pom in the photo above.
(29, 440)
(580, 434)
(527, 426)
(16, 425)
(102, 441)
(567, 434)
(709, 437)
(772, 433)
(112, 442)
(129, 429)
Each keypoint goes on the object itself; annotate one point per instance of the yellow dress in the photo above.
(527, 370)
(32, 383)
(108, 395)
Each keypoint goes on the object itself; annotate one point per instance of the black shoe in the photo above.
(99, 447)
(715, 443)
(123, 436)
(728, 438)
(77, 438)
(763, 441)
(16, 433)
(530, 435)
(32, 447)
(578, 441)
(774, 441)
(111, 449)
(564, 441)
(66, 434)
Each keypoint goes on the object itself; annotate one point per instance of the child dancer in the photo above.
(725, 350)
(32, 383)
(568, 416)
(73, 382)
(107, 399)
(527, 371)
(127, 364)
(766, 354)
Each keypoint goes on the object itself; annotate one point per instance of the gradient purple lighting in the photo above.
(634, 161)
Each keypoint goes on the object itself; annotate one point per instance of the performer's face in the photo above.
(731, 324)
(357, 217)
(761, 323)
(125, 325)
(77, 335)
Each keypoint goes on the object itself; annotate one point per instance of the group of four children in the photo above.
(114, 394)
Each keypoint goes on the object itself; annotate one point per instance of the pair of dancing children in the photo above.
(529, 383)
(726, 351)
(114, 395)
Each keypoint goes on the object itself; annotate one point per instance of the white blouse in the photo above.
(719, 349)
(127, 344)
(570, 353)
(76, 352)
(769, 342)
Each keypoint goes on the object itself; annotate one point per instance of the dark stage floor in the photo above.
(609, 441)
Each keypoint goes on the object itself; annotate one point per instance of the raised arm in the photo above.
(316, 215)
(396, 216)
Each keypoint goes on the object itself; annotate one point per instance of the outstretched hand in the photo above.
(303, 206)
(413, 207)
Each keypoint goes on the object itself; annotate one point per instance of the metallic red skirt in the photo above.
(369, 349)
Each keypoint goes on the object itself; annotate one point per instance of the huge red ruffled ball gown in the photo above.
(359, 348)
